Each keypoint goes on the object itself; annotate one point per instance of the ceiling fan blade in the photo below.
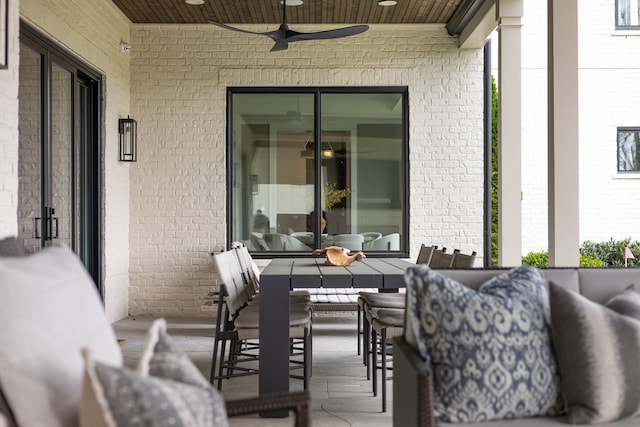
(281, 44)
(293, 36)
(229, 27)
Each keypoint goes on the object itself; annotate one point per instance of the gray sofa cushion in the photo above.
(489, 350)
(597, 351)
(626, 302)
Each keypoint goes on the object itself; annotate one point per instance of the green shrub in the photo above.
(594, 254)
(587, 261)
(611, 253)
(536, 259)
(541, 260)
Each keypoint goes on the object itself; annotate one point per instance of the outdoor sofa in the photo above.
(61, 366)
(413, 377)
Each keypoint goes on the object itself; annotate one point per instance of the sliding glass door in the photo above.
(59, 151)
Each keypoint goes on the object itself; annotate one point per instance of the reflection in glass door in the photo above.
(30, 154)
(59, 151)
(60, 222)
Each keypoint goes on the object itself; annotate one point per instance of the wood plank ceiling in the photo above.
(270, 12)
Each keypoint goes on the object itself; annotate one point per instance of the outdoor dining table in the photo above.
(284, 274)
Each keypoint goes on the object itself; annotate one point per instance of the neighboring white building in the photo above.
(609, 84)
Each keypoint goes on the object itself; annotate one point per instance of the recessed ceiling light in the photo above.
(292, 2)
(194, 2)
(387, 2)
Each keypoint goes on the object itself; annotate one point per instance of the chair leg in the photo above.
(306, 360)
(374, 360)
(214, 361)
(310, 349)
(222, 363)
(366, 331)
(383, 345)
(366, 351)
(359, 331)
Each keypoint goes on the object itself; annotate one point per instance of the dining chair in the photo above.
(368, 305)
(251, 276)
(237, 324)
(284, 242)
(352, 242)
(425, 254)
(387, 323)
(388, 242)
(461, 260)
(369, 237)
(441, 259)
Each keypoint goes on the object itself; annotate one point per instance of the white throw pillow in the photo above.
(49, 310)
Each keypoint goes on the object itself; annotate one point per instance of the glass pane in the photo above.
(61, 156)
(628, 13)
(624, 12)
(629, 150)
(362, 170)
(273, 171)
(30, 150)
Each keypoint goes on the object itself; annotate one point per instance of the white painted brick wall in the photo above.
(609, 85)
(93, 30)
(178, 95)
(9, 132)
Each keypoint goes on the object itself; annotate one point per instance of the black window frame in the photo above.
(625, 129)
(318, 91)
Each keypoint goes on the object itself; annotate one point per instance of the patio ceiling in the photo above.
(450, 12)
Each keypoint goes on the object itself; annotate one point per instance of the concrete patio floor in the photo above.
(340, 393)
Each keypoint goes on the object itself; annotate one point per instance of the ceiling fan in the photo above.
(283, 35)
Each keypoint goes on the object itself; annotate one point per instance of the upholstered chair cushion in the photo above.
(489, 350)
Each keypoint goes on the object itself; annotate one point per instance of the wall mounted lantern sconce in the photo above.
(128, 130)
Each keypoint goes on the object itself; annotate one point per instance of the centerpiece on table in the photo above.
(339, 256)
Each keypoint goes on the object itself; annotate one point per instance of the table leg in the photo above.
(274, 339)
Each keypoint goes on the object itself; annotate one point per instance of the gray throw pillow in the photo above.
(597, 350)
(490, 350)
(626, 302)
(166, 390)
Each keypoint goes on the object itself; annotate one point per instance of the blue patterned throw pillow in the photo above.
(490, 350)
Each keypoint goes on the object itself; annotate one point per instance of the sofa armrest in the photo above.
(412, 387)
(298, 403)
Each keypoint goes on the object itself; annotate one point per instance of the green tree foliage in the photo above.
(494, 172)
